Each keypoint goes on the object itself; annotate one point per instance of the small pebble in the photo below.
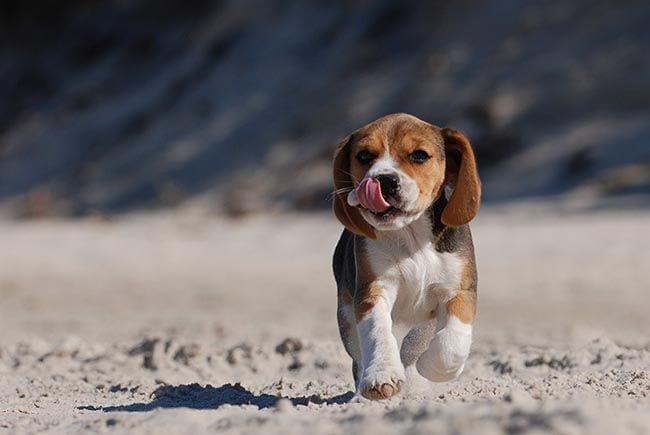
(289, 345)
(284, 405)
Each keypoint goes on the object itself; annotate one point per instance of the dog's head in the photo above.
(389, 172)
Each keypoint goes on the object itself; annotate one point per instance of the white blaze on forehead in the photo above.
(383, 165)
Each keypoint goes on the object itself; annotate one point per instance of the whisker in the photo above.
(352, 176)
(340, 191)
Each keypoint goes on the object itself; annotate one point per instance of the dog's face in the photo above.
(392, 170)
(407, 158)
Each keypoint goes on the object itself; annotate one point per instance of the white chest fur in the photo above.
(415, 277)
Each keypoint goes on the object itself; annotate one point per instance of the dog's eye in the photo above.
(364, 157)
(419, 156)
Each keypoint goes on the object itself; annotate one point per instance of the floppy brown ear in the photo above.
(462, 173)
(349, 216)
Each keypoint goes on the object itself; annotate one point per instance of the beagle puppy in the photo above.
(404, 264)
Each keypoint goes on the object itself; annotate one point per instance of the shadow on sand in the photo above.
(196, 396)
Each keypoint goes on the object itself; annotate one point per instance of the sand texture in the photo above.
(184, 323)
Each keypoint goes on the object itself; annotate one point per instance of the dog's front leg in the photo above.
(383, 372)
(445, 358)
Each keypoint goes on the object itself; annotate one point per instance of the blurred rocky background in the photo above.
(114, 106)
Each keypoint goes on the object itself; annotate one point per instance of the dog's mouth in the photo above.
(368, 197)
(390, 213)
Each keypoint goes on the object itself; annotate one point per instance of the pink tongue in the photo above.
(369, 195)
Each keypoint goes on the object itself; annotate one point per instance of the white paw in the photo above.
(382, 381)
(447, 353)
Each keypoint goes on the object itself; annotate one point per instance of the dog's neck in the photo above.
(435, 215)
(420, 233)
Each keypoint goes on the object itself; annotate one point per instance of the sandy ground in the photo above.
(179, 323)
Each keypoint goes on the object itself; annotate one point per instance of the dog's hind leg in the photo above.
(348, 331)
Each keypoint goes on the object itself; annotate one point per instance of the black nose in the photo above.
(389, 184)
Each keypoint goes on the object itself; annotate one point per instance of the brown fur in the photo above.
(465, 201)
(368, 292)
(346, 297)
(463, 306)
(368, 297)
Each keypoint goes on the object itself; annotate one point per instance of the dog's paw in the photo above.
(445, 358)
(438, 372)
(382, 383)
